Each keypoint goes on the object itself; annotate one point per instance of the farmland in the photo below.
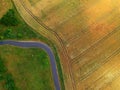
(87, 33)
(30, 68)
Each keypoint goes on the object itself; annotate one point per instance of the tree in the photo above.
(3, 69)
(9, 83)
(8, 33)
(9, 19)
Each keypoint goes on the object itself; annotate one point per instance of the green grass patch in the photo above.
(6, 77)
(29, 68)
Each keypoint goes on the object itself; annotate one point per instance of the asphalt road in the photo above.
(42, 46)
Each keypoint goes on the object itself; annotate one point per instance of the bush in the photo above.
(3, 69)
(9, 83)
(1, 37)
(1, 77)
(9, 19)
(9, 33)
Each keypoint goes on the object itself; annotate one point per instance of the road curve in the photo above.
(31, 44)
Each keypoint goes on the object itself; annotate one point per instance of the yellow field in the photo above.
(89, 31)
(4, 6)
(33, 1)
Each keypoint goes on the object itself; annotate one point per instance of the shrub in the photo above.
(9, 19)
(3, 69)
(9, 83)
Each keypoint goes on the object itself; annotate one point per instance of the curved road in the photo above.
(42, 46)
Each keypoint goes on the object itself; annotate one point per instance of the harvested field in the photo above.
(96, 55)
(75, 21)
(103, 77)
(89, 31)
(4, 6)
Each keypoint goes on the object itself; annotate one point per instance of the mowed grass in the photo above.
(30, 68)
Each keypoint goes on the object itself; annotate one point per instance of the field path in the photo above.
(31, 44)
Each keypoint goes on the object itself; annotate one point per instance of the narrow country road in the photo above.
(42, 46)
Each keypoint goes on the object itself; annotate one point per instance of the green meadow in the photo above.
(27, 69)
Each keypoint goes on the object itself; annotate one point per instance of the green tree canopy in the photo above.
(9, 19)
